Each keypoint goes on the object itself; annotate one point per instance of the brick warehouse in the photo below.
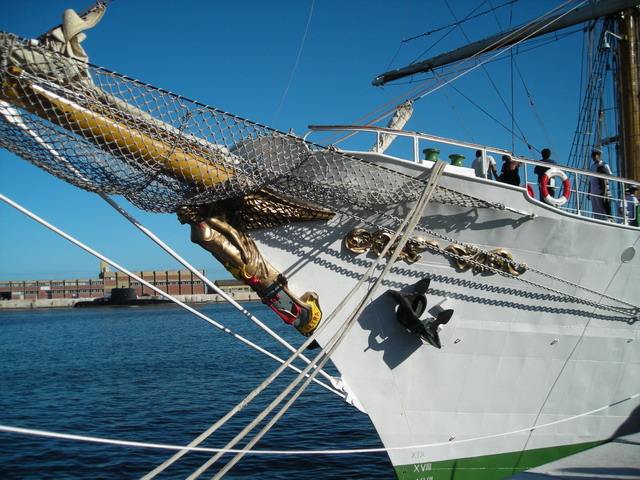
(174, 282)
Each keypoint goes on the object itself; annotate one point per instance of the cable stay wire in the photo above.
(460, 69)
(404, 232)
(536, 112)
(495, 119)
(159, 291)
(452, 27)
(510, 110)
(457, 23)
(354, 451)
(323, 326)
(455, 69)
(529, 45)
(483, 110)
(491, 81)
(458, 116)
(295, 65)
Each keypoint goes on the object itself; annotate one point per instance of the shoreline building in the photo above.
(173, 282)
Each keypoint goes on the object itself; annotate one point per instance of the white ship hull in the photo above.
(533, 364)
(519, 352)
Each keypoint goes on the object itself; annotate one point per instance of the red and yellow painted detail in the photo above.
(315, 314)
(304, 313)
(240, 274)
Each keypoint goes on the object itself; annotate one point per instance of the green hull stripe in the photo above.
(490, 467)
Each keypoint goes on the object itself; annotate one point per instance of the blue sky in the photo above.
(286, 64)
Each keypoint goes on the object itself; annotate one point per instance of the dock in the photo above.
(6, 305)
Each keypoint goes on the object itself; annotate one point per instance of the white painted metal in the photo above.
(515, 355)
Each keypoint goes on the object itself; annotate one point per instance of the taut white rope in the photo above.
(267, 381)
(147, 284)
(211, 285)
(404, 231)
(159, 446)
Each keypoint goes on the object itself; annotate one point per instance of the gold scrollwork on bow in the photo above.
(478, 261)
(360, 240)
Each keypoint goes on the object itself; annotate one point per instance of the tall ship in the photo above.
(470, 317)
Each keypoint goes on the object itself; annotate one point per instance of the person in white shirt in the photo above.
(632, 206)
(484, 165)
(599, 187)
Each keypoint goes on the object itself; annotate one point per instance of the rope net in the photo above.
(110, 134)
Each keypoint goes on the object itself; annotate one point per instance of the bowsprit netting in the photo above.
(107, 133)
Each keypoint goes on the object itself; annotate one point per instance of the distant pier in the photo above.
(70, 302)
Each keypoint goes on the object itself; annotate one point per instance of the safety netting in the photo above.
(107, 133)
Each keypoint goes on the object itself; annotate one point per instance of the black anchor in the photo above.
(411, 306)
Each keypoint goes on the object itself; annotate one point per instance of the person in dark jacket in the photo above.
(540, 171)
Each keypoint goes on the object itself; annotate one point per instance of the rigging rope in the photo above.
(405, 230)
(267, 381)
(454, 72)
(632, 315)
(459, 22)
(448, 76)
(152, 287)
(160, 446)
(212, 285)
(295, 66)
(493, 84)
(535, 111)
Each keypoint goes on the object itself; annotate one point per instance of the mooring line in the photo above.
(209, 283)
(404, 231)
(159, 446)
(154, 288)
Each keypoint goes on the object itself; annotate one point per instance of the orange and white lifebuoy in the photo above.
(566, 187)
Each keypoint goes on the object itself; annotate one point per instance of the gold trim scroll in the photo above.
(360, 240)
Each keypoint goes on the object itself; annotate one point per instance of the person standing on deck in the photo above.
(509, 173)
(632, 206)
(484, 166)
(599, 187)
(540, 171)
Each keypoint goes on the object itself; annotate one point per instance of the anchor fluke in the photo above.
(410, 308)
(433, 326)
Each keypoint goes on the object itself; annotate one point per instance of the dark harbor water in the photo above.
(160, 375)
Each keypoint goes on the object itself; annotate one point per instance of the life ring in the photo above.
(566, 187)
(530, 191)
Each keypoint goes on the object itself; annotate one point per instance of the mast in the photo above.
(579, 15)
(628, 91)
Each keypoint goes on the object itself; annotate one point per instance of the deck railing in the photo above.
(412, 146)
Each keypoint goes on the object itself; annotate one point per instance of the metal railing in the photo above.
(412, 144)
